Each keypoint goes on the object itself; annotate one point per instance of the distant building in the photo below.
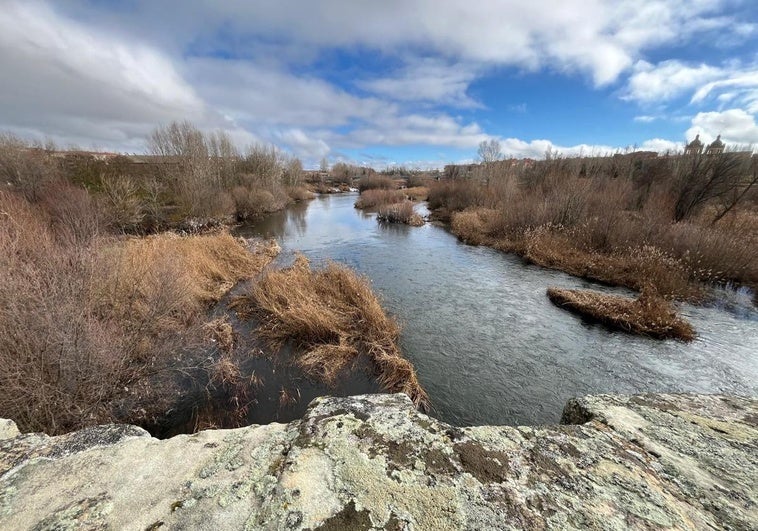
(695, 147)
(716, 147)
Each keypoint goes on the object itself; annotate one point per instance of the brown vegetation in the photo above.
(616, 219)
(330, 316)
(417, 193)
(300, 193)
(376, 182)
(92, 326)
(375, 198)
(188, 174)
(400, 213)
(648, 315)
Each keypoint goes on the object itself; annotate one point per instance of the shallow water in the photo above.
(488, 345)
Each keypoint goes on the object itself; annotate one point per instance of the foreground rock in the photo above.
(373, 462)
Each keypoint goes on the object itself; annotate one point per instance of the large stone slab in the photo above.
(373, 462)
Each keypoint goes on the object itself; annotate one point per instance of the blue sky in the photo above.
(414, 82)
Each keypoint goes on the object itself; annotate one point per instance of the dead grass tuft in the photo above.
(648, 315)
(220, 332)
(142, 275)
(400, 213)
(330, 315)
(92, 328)
(373, 182)
(299, 193)
(375, 198)
(417, 193)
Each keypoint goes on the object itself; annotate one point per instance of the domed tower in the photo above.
(715, 147)
(695, 147)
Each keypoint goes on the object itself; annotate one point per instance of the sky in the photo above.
(381, 83)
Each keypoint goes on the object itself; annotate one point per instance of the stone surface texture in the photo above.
(373, 462)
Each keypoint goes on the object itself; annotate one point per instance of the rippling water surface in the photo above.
(487, 344)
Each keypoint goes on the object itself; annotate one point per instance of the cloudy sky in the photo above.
(420, 82)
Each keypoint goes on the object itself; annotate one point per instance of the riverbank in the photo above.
(96, 328)
(692, 227)
(373, 461)
(133, 254)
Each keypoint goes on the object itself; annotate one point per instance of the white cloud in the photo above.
(662, 82)
(416, 129)
(80, 72)
(735, 126)
(63, 79)
(269, 95)
(730, 84)
(303, 144)
(740, 86)
(660, 145)
(594, 37)
(427, 80)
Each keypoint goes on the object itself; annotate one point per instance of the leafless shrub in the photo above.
(124, 206)
(400, 213)
(374, 198)
(372, 182)
(606, 218)
(26, 167)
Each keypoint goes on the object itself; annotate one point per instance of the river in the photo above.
(486, 342)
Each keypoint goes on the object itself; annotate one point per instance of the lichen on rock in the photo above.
(374, 462)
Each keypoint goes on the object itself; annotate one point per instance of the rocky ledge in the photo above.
(373, 462)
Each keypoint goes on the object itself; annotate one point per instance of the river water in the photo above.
(486, 342)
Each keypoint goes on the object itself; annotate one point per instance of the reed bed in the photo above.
(648, 315)
(376, 182)
(331, 316)
(375, 198)
(417, 193)
(400, 213)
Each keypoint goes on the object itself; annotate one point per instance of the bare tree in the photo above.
(293, 171)
(489, 150)
(722, 180)
(342, 173)
(178, 139)
(324, 168)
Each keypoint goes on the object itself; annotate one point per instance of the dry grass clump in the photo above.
(220, 331)
(375, 198)
(400, 213)
(648, 315)
(417, 193)
(447, 197)
(473, 225)
(228, 394)
(373, 182)
(174, 276)
(331, 316)
(252, 203)
(300, 193)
